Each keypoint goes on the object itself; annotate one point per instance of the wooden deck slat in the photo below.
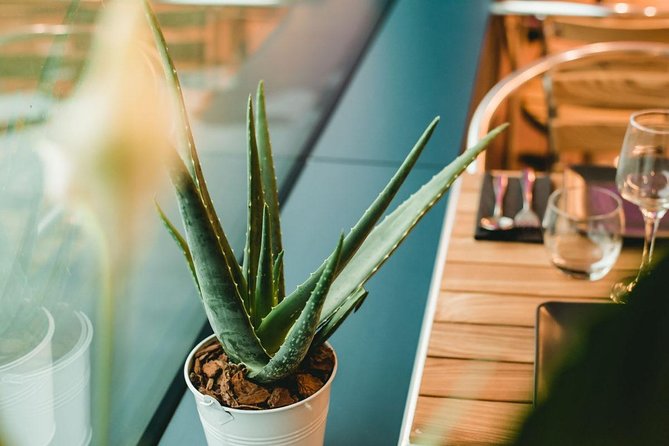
(468, 201)
(489, 342)
(464, 225)
(511, 279)
(465, 249)
(482, 380)
(492, 309)
(465, 422)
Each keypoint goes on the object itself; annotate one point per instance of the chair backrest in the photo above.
(590, 101)
(562, 33)
(577, 78)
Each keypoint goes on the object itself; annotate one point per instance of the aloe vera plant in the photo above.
(257, 323)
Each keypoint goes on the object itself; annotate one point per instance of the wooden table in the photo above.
(473, 378)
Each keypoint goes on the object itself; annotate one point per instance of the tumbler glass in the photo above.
(583, 229)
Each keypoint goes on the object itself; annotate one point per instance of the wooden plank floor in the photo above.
(477, 380)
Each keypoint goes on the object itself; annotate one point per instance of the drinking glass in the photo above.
(583, 230)
(642, 177)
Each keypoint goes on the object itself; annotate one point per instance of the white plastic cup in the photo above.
(300, 424)
(72, 399)
(26, 395)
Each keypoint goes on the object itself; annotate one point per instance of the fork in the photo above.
(526, 217)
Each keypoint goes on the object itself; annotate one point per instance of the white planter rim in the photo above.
(213, 401)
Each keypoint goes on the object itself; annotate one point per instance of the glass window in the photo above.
(304, 51)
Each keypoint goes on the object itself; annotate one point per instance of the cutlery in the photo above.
(497, 221)
(526, 217)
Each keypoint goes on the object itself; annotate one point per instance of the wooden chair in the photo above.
(588, 106)
(563, 33)
(568, 26)
(590, 101)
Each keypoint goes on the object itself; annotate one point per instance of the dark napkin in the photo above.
(513, 202)
(604, 176)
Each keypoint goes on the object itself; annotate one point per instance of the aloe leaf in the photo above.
(220, 295)
(281, 318)
(264, 292)
(297, 343)
(180, 241)
(270, 192)
(328, 326)
(277, 274)
(255, 208)
(194, 167)
(388, 235)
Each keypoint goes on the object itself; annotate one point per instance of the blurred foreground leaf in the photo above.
(614, 390)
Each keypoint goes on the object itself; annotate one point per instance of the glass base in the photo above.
(621, 290)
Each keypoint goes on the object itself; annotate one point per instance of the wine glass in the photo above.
(642, 177)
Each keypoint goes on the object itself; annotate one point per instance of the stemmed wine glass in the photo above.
(642, 177)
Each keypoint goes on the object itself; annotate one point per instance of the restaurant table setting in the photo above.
(508, 308)
(582, 225)
(573, 176)
(478, 377)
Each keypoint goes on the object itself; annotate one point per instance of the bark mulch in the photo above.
(212, 374)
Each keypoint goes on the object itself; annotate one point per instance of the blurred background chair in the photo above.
(589, 100)
(589, 93)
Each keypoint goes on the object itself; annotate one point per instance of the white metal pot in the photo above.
(72, 400)
(26, 395)
(300, 424)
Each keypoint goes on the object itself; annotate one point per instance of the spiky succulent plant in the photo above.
(257, 324)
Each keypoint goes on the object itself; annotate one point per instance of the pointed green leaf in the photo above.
(269, 180)
(281, 318)
(387, 236)
(277, 274)
(264, 292)
(255, 206)
(220, 295)
(297, 343)
(180, 241)
(328, 326)
(193, 161)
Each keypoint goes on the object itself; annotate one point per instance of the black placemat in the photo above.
(604, 176)
(513, 202)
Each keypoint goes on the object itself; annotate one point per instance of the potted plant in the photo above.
(264, 376)
(269, 350)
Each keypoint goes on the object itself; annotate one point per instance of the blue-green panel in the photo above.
(422, 64)
(185, 427)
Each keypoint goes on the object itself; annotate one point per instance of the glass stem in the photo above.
(652, 221)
